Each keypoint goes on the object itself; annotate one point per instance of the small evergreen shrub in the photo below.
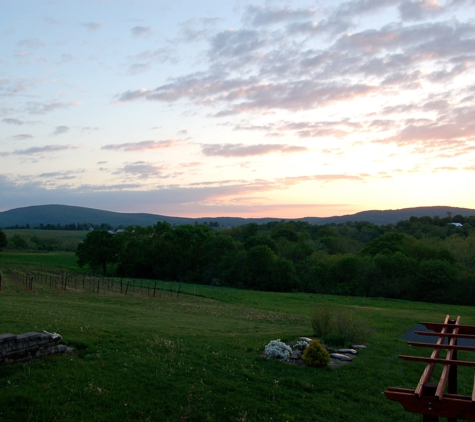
(276, 349)
(315, 355)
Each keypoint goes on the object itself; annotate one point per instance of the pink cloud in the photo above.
(241, 150)
(142, 146)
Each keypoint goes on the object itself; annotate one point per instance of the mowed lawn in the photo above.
(199, 358)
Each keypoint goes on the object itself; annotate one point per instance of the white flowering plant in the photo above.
(300, 346)
(277, 349)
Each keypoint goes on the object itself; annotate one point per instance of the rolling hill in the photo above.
(65, 214)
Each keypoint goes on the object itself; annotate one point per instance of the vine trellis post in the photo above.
(430, 399)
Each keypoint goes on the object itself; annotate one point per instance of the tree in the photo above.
(18, 242)
(99, 249)
(463, 249)
(260, 263)
(3, 240)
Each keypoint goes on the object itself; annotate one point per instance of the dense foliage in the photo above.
(71, 226)
(427, 259)
(3, 240)
(33, 240)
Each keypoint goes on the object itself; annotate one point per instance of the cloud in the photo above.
(258, 16)
(442, 76)
(31, 43)
(144, 61)
(142, 146)
(341, 18)
(11, 87)
(232, 43)
(12, 121)
(40, 150)
(448, 132)
(132, 95)
(22, 137)
(436, 105)
(240, 150)
(417, 10)
(138, 68)
(92, 26)
(60, 130)
(263, 70)
(248, 95)
(141, 31)
(35, 107)
(66, 58)
(61, 175)
(350, 9)
(193, 164)
(302, 129)
(210, 198)
(194, 30)
(142, 169)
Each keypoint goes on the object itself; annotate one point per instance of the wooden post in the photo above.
(429, 390)
(453, 369)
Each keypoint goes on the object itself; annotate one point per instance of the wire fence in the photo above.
(97, 284)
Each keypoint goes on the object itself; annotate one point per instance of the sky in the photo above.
(214, 108)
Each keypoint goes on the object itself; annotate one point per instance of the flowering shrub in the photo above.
(278, 350)
(300, 346)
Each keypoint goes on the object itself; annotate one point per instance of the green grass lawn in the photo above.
(198, 357)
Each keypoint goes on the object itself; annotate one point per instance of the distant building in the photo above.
(457, 224)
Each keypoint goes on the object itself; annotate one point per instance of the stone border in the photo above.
(31, 345)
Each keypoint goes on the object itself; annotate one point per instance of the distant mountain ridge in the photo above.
(66, 214)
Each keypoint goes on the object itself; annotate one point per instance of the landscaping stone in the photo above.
(352, 351)
(340, 356)
(358, 346)
(296, 355)
(27, 346)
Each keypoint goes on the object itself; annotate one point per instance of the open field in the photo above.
(198, 358)
(73, 235)
(63, 240)
(61, 260)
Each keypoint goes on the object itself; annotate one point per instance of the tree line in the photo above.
(71, 226)
(426, 259)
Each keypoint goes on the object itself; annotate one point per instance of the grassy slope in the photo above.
(198, 358)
